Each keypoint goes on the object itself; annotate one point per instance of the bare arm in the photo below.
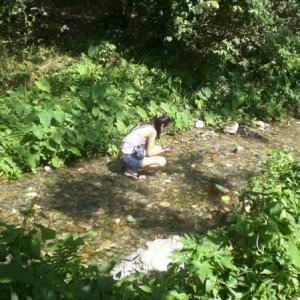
(151, 148)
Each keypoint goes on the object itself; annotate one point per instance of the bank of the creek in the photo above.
(191, 194)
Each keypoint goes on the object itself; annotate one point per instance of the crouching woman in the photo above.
(138, 149)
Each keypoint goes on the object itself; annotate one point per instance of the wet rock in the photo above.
(132, 219)
(207, 135)
(231, 128)
(222, 188)
(154, 257)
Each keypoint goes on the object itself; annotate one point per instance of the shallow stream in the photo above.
(192, 193)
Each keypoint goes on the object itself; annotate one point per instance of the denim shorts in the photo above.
(131, 162)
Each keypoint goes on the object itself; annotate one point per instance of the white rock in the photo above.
(208, 134)
(238, 149)
(48, 169)
(199, 124)
(228, 165)
(261, 125)
(231, 127)
(31, 195)
(153, 257)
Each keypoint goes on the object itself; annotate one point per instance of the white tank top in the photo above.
(133, 139)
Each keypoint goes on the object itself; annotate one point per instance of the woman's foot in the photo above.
(134, 174)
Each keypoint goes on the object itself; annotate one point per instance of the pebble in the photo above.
(222, 189)
(31, 195)
(231, 127)
(199, 124)
(164, 204)
(238, 149)
(48, 169)
(117, 221)
(261, 125)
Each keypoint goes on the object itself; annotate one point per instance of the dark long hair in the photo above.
(157, 122)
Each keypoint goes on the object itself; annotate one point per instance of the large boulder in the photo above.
(153, 258)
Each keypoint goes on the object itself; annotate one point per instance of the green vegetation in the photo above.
(82, 110)
(256, 256)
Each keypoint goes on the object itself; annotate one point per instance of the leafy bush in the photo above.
(82, 111)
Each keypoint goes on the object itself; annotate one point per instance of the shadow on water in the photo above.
(116, 197)
(177, 199)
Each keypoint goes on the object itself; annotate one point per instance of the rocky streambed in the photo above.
(117, 214)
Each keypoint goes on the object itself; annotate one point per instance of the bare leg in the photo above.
(154, 162)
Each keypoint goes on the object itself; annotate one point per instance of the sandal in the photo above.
(134, 175)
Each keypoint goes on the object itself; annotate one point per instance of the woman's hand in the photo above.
(168, 149)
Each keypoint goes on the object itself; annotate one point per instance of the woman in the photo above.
(138, 149)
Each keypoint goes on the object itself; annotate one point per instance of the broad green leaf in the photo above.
(153, 107)
(59, 116)
(141, 112)
(93, 51)
(82, 69)
(226, 261)
(45, 117)
(56, 162)
(146, 288)
(209, 118)
(121, 126)
(20, 109)
(204, 94)
(275, 209)
(95, 111)
(38, 131)
(57, 137)
(43, 85)
(47, 233)
(267, 272)
(13, 295)
(166, 107)
(237, 100)
(294, 253)
(127, 87)
(204, 270)
(75, 151)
